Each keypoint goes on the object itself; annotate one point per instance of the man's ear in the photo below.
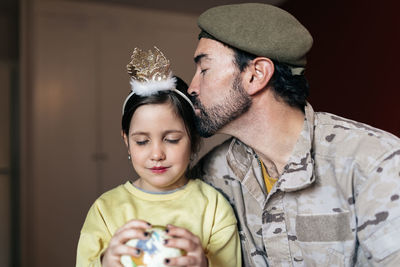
(257, 75)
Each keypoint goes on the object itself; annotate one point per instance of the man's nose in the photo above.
(193, 89)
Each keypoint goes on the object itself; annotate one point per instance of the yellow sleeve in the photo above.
(93, 240)
(224, 245)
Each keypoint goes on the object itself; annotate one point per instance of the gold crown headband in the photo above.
(150, 73)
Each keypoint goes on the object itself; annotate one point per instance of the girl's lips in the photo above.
(159, 169)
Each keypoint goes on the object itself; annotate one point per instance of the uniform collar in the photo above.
(239, 158)
(298, 173)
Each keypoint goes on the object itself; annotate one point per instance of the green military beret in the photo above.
(259, 29)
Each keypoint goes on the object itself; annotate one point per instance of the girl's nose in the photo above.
(157, 153)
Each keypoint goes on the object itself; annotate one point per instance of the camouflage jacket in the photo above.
(335, 204)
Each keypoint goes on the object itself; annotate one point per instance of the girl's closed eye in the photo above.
(173, 138)
(173, 141)
(141, 142)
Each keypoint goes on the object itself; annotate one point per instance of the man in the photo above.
(308, 188)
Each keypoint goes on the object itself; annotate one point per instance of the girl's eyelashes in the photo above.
(172, 141)
(168, 140)
(142, 143)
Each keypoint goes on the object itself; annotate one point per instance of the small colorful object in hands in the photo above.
(153, 252)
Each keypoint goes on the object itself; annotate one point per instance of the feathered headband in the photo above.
(150, 73)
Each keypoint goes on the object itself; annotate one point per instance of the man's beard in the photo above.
(211, 119)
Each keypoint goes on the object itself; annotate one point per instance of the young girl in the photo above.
(159, 132)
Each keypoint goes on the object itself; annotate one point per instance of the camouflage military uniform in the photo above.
(335, 204)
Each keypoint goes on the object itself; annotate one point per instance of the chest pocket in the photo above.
(323, 227)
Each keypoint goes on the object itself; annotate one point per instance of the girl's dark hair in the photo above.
(181, 106)
(293, 89)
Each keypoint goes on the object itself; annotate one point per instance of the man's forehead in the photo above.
(207, 49)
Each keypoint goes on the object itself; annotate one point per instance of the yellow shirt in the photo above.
(197, 207)
(269, 181)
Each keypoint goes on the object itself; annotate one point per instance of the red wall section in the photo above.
(353, 67)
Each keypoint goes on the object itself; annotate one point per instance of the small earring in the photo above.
(129, 157)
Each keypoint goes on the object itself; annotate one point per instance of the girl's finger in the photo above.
(125, 250)
(181, 261)
(182, 243)
(128, 234)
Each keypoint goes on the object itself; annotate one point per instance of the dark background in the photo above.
(353, 66)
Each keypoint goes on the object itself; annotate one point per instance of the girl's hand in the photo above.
(116, 248)
(186, 240)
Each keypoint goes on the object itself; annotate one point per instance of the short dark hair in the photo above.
(293, 89)
(181, 106)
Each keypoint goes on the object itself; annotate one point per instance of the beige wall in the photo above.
(74, 83)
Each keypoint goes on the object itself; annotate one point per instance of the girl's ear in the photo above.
(126, 141)
(257, 75)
